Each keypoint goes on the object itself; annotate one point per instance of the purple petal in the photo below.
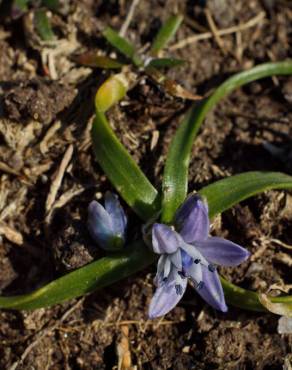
(222, 252)
(99, 224)
(192, 219)
(164, 239)
(167, 296)
(116, 212)
(212, 291)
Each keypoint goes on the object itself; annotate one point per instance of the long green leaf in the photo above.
(123, 45)
(175, 180)
(166, 33)
(122, 170)
(110, 269)
(225, 193)
(98, 274)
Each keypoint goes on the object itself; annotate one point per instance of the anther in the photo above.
(178, 289)
(197, 260)
(211, 268)
(200, 285)
(182, 274)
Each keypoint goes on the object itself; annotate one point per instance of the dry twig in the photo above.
(56, 183)
(257, 20)
(129, 18)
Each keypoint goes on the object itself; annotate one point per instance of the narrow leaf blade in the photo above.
(92, 59)
(166, 33)
(225, 193)
(121, 44)
(122, 170)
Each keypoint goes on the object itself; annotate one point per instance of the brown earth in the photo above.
(45, 112)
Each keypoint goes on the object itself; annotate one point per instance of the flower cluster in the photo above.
(186, 250)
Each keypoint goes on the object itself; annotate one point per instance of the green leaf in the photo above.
(165, 62)
(225, 193)
(175, 180)
(123, 45)
(43, 25)
(166, 33)
(122, 170)
(98, 274)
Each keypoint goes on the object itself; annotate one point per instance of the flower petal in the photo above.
(164, 239)
(116, 212)
(176, 259)
(195, 273)
(163, 269)
(167, 296)
(212, 291)
(99, 224)
(192, 219)
(222, 252)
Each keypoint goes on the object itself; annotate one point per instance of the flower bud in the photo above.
(107, 225)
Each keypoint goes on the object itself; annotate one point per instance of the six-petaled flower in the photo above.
(188, 252)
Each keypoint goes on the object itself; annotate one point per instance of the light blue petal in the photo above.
(222, 252)
(165, 239)
(195, 273)
(193, 252)
(167, 295)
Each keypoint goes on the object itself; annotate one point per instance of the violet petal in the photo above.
(222, 252)
(164, 239)
(116, 212)
(192, 219)
(211, 290)
(167, 296)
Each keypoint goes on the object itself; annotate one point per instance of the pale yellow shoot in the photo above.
(110, 92)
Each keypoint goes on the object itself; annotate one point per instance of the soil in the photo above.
(46, 108)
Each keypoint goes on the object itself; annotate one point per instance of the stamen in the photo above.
(197, 261)
(182, 274)
(200, 285)
(211, 267)
(178, 289)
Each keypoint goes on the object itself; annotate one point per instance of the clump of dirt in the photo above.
(46, 112)
(37, 99)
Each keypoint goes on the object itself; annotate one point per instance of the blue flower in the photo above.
(107, 225)
(188, 252)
